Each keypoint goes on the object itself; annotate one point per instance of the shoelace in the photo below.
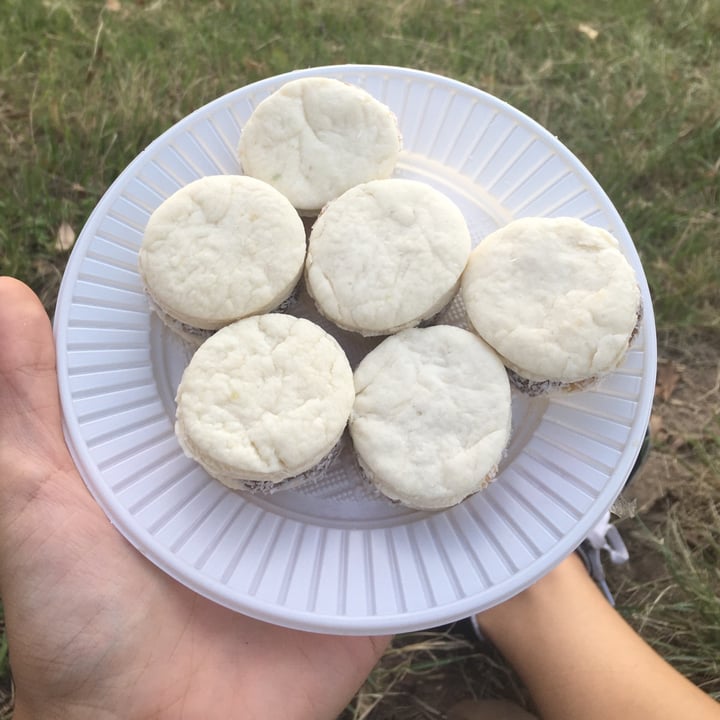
(604, 536)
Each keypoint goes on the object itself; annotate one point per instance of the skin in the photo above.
(580, 659)
(94, 629)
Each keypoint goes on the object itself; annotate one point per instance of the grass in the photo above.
(632, 88)
(689, 620)
(640, 104)
(427, 671)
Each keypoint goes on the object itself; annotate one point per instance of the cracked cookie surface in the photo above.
(432, 414)
(264, 399)
(315, 138)
(221, 248)
(555, 297)
(386, 255)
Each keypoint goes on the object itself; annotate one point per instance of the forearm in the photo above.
(580, 659)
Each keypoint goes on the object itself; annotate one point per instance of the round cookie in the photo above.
(264, 400)
(219, 249)
(386, 255)
(315, 138)
(556, 299)
(432, 415)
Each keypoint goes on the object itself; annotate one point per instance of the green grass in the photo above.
(679, 611)
(85, 86)
(84, 89)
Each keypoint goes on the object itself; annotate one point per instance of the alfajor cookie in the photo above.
(263, 400)
(315, 138)
(432, 415)
(557, 300)
(386, 255)
(219, 249)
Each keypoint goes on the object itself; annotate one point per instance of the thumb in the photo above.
(33, 454)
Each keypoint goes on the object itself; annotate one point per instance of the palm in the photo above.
(94, 629)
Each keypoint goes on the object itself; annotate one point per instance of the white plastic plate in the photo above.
(334, 557)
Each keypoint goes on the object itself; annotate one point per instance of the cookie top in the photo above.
(386, 255)
(554, 296)
(222, 248)
(315, 138)
(432, 415)
(264, 399)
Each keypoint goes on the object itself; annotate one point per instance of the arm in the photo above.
(580, 659)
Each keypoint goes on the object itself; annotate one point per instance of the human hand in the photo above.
(94, 629)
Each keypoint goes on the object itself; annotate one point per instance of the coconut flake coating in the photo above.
(316, 137)
(554, 296)
(264, 399)
(432, 415)
(222, 248)
(386, 255)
